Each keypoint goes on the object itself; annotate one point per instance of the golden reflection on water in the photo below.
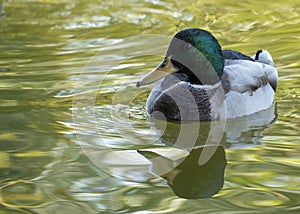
(44, 46)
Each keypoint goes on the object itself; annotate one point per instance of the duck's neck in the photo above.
(190, 77)
(204, 74)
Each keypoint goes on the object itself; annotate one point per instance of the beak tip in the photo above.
(138, 84)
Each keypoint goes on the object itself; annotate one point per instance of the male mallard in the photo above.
(199, 81)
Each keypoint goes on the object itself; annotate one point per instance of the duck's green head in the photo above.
(194, 52)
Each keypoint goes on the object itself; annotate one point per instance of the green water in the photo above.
(72, 120)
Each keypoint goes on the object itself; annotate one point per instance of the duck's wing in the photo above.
(247, 76)
(249, 84)
(235, 55)
(255, 74)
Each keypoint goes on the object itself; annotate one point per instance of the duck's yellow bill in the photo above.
(164, 68)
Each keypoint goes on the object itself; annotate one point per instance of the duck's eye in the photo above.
(188, 46)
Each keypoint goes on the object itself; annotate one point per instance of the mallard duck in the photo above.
(197, 80)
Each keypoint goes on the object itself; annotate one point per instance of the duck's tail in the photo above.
(263, 56)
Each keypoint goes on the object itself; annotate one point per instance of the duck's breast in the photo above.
(177, 100)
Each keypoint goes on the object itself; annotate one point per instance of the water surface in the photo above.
(48, 47)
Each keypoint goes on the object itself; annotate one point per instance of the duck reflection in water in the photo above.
(198, 170)
(190, 179)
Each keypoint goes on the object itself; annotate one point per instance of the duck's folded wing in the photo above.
(249, 87)
(246, 76)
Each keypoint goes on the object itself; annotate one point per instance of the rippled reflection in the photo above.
(45, 46)
(190, 176)
(189, 179)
